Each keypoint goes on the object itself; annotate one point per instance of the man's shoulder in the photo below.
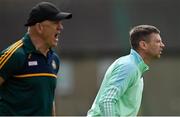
(12, 56)
(124, 63)
(18, 51)
(12, 48)
(14, 51)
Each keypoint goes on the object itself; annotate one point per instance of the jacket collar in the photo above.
(29, 47)
(139, 61)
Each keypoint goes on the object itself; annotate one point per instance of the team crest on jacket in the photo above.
(53, 64)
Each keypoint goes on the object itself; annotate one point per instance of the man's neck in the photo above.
(39, 44)
(147, 60)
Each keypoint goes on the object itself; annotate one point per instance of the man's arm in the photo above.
(108, 104)
(115, 88)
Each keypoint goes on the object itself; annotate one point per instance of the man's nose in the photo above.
(162, 45)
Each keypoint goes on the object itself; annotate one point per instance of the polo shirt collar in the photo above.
(29, 47)
(139, 61)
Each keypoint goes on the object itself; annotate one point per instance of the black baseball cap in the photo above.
(46, 11)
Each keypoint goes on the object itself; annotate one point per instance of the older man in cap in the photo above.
(28, 68)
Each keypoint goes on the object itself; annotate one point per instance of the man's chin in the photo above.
(53, 45)
(158, 56)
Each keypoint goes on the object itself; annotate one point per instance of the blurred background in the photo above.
(95, 37)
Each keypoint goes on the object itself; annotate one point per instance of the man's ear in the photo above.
(39, 27)
(143, 45)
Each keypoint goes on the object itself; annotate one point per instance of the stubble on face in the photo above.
(156, 46)
(51, 33)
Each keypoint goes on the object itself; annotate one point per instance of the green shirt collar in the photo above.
(29, 47)
(139, 61)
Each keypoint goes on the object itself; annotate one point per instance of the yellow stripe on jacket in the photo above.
(9, 52)
(35, 74)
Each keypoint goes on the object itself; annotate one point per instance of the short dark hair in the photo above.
(139, 33)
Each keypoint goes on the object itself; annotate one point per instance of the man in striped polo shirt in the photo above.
(121, 91)
(28, 68)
